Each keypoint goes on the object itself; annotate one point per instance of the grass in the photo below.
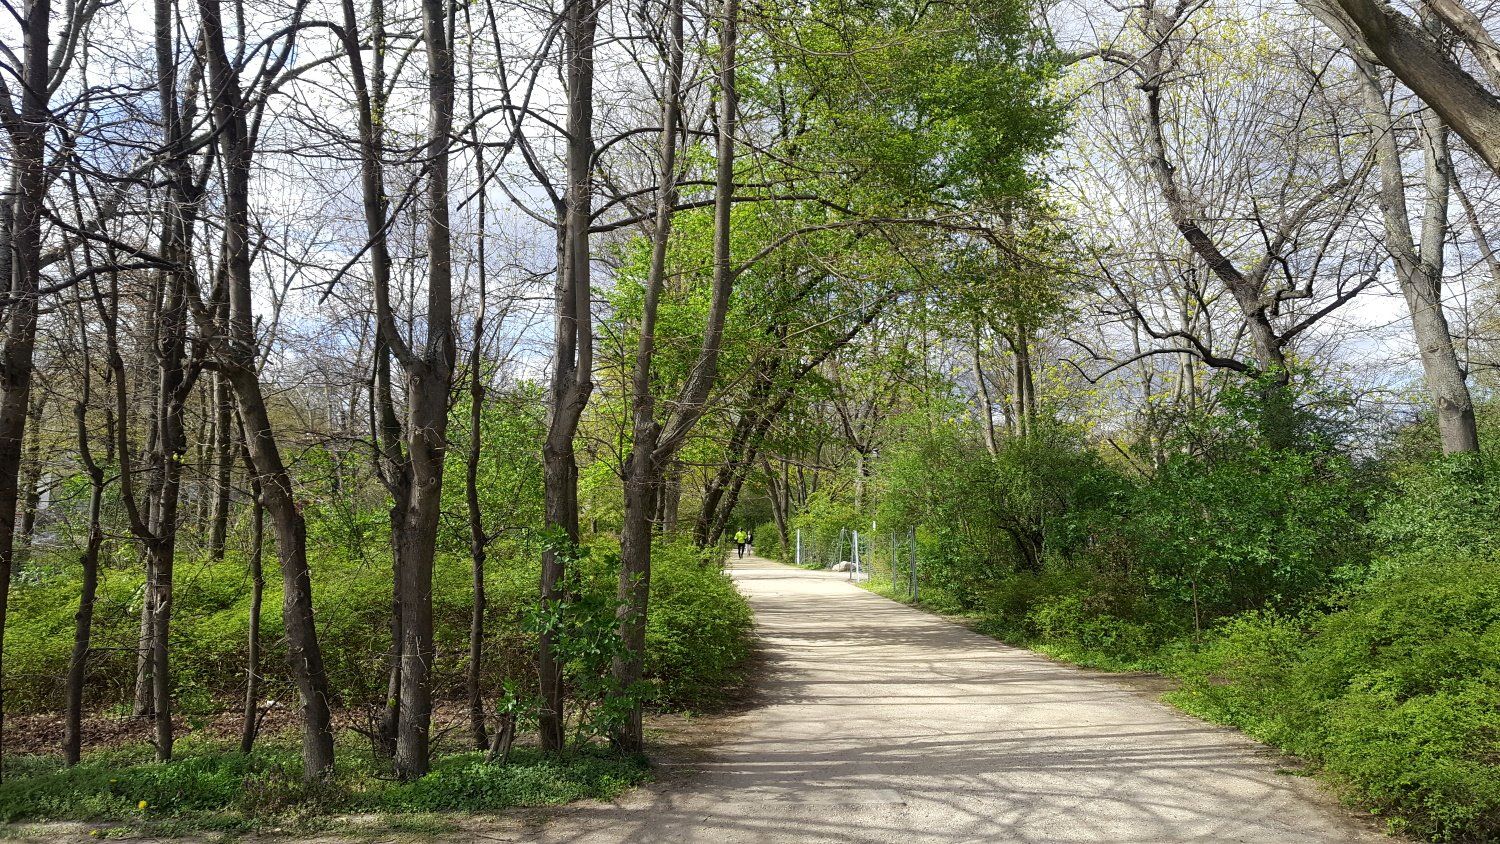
(211, 787)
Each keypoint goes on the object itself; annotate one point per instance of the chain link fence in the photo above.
(890, 556)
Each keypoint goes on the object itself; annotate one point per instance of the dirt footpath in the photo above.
(881, 723)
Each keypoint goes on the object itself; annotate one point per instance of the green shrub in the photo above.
(1443, 507)
(1081, 614)
(984, 517)
(465, 783)
(768, 544)
(1396, 692)
(698, 632)
(1245, 530)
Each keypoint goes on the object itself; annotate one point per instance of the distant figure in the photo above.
(740, 538)
(750, 541)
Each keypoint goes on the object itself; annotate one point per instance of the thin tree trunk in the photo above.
(31, 486)
(573, 363)
(141, 706)
(250, 723)
(239, 359)
(478, 539)
(28, 182)
(429, 378)
(224, 457)
(671, 496)
(653, 444)
(986, 404)
(391, 462)
(83, 620)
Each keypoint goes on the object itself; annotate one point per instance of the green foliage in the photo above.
(1251, 528)
(1082, 615)
(985, 517)
(211, 626)
(941, 102)
(1444, 506)
(1350, 614)
(698, 632)
(768, 544)
(1396, 692)
(823, 521)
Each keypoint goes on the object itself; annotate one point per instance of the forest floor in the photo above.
(876, 722)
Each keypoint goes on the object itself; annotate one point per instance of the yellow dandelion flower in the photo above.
(141, 804)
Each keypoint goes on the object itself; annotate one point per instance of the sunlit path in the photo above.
(880, 723)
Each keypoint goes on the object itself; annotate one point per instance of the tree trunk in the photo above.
(304, 656)
(654, 445)
(238, 352)
(224, 457)
(250, 722)
(429, 379)
(634, 592)
(28, 183)
(1277, 419)
(32, 485)
(141, 706)
(1419, 267)
(478, 538)
(159, 539)
(671, 499)
(573, 364)
(83, 621)
(391, 462)
(1420, 61)
(986, 404)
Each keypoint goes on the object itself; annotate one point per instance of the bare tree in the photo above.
(1419, 265)
(229, 317)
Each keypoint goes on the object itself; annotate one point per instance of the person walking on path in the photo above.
(740, 537)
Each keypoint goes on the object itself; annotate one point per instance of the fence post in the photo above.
(893, 561)
(853, 554)
(799, 546)
(912, 558)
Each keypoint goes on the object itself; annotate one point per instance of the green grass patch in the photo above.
(210, 788)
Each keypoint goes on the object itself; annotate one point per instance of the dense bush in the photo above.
(1252, 528)
(823, 520)
(1396, 691)
(210, 627)
(983, 517)
(697, 634)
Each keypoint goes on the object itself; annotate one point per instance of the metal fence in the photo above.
(885, 555)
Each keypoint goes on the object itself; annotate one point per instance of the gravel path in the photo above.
(880, 723)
